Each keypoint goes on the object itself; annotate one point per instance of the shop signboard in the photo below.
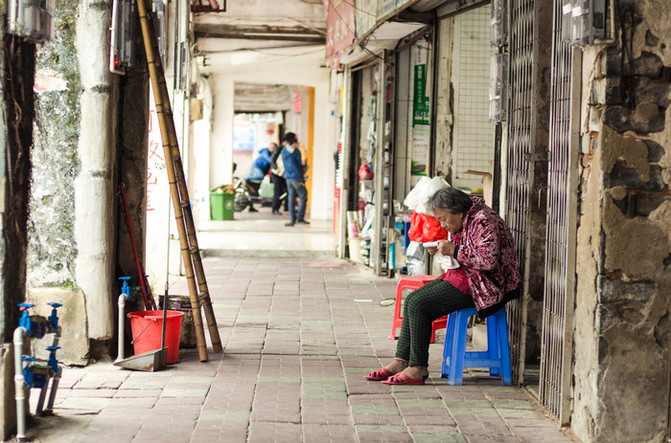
(244, 138)
(420, 102)
(421, 135)
(421, 129)
(339, 25)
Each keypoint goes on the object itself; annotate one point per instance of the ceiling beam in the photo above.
(286, 33)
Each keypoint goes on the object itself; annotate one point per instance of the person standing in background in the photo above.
(279, 183)
(294, 171)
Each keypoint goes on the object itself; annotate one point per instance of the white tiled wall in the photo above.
(473, 143)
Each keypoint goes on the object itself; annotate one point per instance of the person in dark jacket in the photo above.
(488, 276)
(279, 183)
(294, 171)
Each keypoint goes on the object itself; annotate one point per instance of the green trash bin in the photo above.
(221, 205)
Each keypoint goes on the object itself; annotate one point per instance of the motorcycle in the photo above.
(249, 192)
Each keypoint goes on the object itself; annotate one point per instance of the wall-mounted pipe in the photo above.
(19, 384)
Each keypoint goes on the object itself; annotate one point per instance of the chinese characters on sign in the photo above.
(420, 102)
(421, 116)
(339, 26)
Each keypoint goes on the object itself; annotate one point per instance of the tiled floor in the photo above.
(299, 334)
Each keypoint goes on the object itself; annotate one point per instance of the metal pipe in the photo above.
(52, 395)
(56, 379)
(122, 306)
(19, 384)
(43, 396)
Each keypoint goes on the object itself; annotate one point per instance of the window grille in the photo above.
(559, 291)
(521, 129)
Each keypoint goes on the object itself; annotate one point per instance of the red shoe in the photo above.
(402, 379)
(379, 375)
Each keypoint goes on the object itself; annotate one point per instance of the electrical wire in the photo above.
(361, 45)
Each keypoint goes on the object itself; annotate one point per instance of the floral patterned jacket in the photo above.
(489, 257)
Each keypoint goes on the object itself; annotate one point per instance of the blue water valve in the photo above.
(28, 370)
(125, 289)
(53, 318)
(52, 362)
(25, 321)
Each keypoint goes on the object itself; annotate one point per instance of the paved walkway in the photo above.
(299, 335)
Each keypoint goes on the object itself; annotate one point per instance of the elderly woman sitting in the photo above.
(488, 277)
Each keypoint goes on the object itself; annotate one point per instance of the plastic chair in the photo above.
(413, 282)
(496, 357)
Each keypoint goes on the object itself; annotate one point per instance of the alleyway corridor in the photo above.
(299, 334)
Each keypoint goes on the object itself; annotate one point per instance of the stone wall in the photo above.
(52, 247)
(624, 239)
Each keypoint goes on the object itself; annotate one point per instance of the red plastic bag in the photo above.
(424, 227)
(365, 173)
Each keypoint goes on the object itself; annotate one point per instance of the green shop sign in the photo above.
(420, 102)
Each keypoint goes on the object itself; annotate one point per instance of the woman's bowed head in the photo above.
(488, 277)
(449, 206)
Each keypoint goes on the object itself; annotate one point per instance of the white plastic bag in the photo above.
(419, 195)
(414, 259)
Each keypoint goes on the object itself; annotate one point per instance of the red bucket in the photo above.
(146, 327)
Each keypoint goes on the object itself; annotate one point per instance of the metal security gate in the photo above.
(559, 298)
(521, 130)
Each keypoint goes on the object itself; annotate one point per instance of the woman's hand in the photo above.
(432, 250)
(445, 247)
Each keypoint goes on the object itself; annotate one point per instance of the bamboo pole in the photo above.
(178, 191)
(204, 297)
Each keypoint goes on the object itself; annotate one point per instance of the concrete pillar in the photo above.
(94, 187)
(443, 100)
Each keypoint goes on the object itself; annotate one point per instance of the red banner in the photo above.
(339, 25)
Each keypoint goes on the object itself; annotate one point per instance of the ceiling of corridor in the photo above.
(260, 24)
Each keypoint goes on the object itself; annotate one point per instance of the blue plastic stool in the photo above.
(496, 357)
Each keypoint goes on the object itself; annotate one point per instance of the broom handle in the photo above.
(148, 300)
(165, 316)
(179, 194)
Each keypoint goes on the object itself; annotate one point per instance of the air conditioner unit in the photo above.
(499, 24)
(160, 27)
(31, 19)
(498, 88)
(585, 21)
(122, 35)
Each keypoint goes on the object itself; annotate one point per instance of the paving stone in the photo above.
(383, 433)
(263, 432)
(332, 433)
(88, 404)
(136, 393)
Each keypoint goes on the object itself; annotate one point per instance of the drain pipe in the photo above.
(19, 384)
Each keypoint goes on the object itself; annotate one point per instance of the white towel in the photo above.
(445, 261)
